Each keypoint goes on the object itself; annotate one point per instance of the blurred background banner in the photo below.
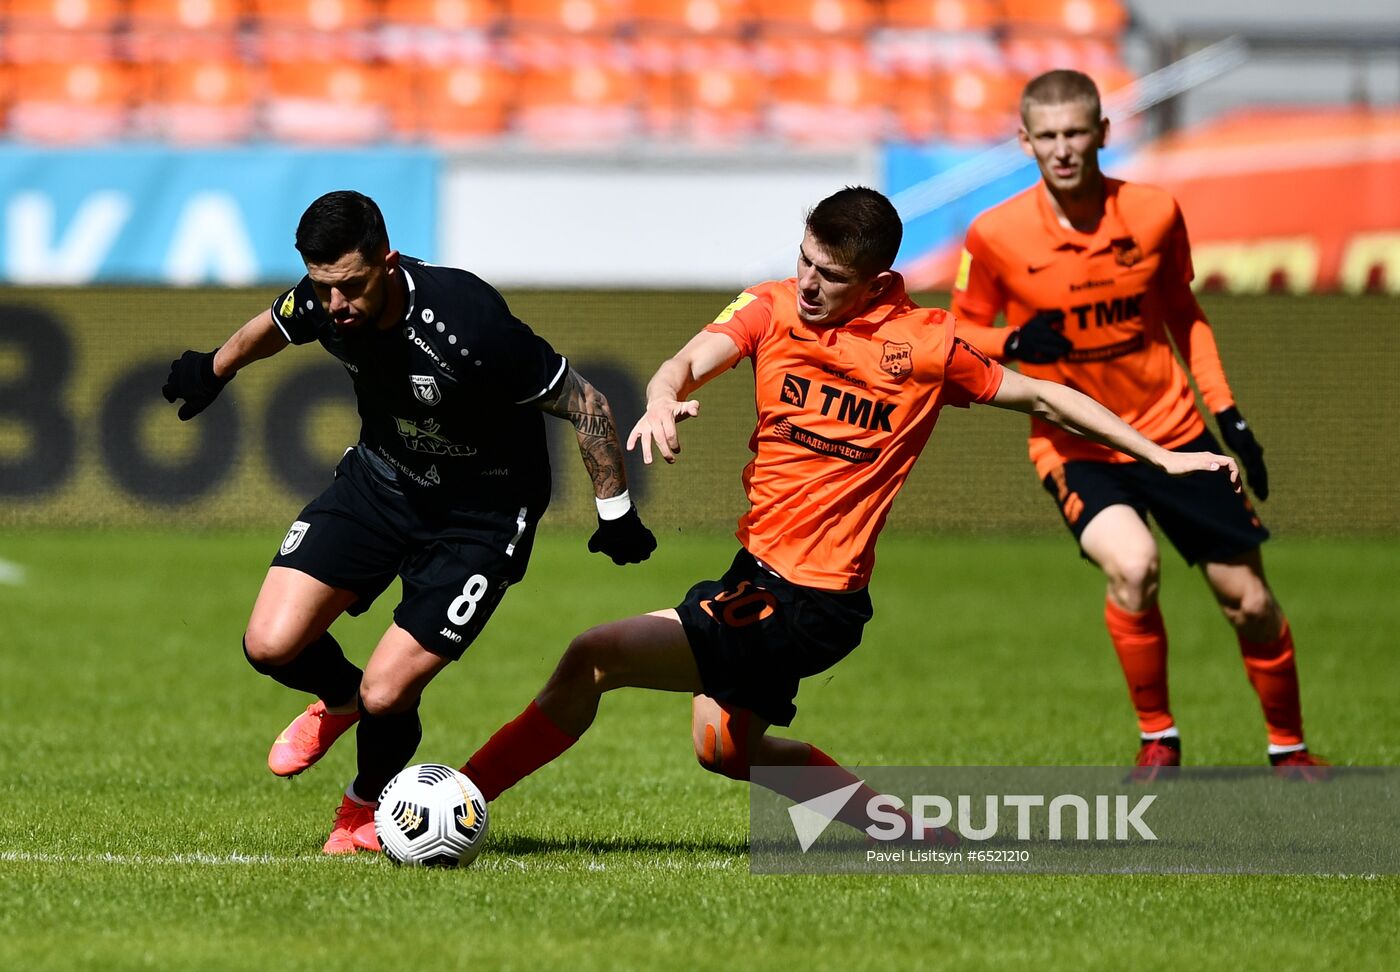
(621, 168)
(153, 214)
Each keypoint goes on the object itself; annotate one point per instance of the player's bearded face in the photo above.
(1064, 140)
(830, 293)
(354, 291)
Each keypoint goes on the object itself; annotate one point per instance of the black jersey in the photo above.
(446, 395)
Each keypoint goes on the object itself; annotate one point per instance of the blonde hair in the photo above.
(1058, 88)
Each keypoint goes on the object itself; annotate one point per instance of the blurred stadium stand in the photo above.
(541, 73)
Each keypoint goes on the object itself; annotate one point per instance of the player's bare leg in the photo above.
(730, 740)
(1120, 543)
(647, 651)
(288, 639)
(1266, 644)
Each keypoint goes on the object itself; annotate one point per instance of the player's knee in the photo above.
(381, 698)
(1254, 612)
(720, 752)
(585, 662)
(266, 651)
(1135, 578)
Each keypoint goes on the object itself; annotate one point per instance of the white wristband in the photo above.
(614, 507)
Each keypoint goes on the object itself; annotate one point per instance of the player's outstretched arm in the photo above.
(620, 534)
(197, 377)
(1078, 413)
(704, 356)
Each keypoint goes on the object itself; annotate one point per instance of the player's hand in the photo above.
(1185, 463)
(659, 425)
(192, 378)
(626, 539)
(1241, 441)
(1039, 341)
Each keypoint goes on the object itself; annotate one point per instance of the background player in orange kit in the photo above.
(849, 378)
(1092, 275)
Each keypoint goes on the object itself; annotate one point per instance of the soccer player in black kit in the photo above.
(444, 488)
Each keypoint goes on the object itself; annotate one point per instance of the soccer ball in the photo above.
(430, 815)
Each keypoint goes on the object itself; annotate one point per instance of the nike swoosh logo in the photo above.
(1031, 268)
(797, 337)
(1241, 425)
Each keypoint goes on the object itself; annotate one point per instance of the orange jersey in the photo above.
(843, 413)
(1121, 289)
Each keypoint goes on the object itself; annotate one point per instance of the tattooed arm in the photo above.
(585, 408)
(620, 534)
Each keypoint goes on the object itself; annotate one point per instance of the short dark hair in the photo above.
(338, 223)
(1061, 87)
(859, 227)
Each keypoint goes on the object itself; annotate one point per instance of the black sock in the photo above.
(384, 743)
(320, 668)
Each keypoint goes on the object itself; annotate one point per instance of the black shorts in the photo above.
(455, 564)
(755, 635)
(1201, 514)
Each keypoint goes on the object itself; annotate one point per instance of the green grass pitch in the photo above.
(141, 828)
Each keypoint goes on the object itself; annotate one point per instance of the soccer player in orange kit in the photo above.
(1093, 277)
(849, 378)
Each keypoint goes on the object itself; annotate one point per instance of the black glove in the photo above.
(1039, 340)
(1241, 441)
(626, 540)
(192, 378)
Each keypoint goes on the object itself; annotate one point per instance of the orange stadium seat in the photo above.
(980, 105)
(915, 106)
(574, 91)
(439, 32)
(314, 15)
(442, 14)
(333, 102)
(454, 103)
(185, 15)
(819, 17)
(827, 91)
(71, 103)
(708, 91)
(1098, 57)
(591, 17)
(201, 101)
(1083, 17)
(692, 18)
(63, 14)
(947, 16)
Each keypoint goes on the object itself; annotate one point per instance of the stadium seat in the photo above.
(334, 102)
(815, 17)
(71, 102)
(83, 15)
(314, 15)
(826, 91)
(454, 103)
(184, 15)
(708, 91)
(915, 106)
(1081, 17)
(980, 105)
(945, 16)
(201, 101)
(443, 14)
(587, 17)
(692, 18)
(1030, 54)
(574, 91)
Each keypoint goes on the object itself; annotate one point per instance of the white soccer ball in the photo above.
(430, 815)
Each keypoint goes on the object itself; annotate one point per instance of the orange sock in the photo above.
(1140, 638)
(1274, 675)
(836, 776)
(516, 750)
